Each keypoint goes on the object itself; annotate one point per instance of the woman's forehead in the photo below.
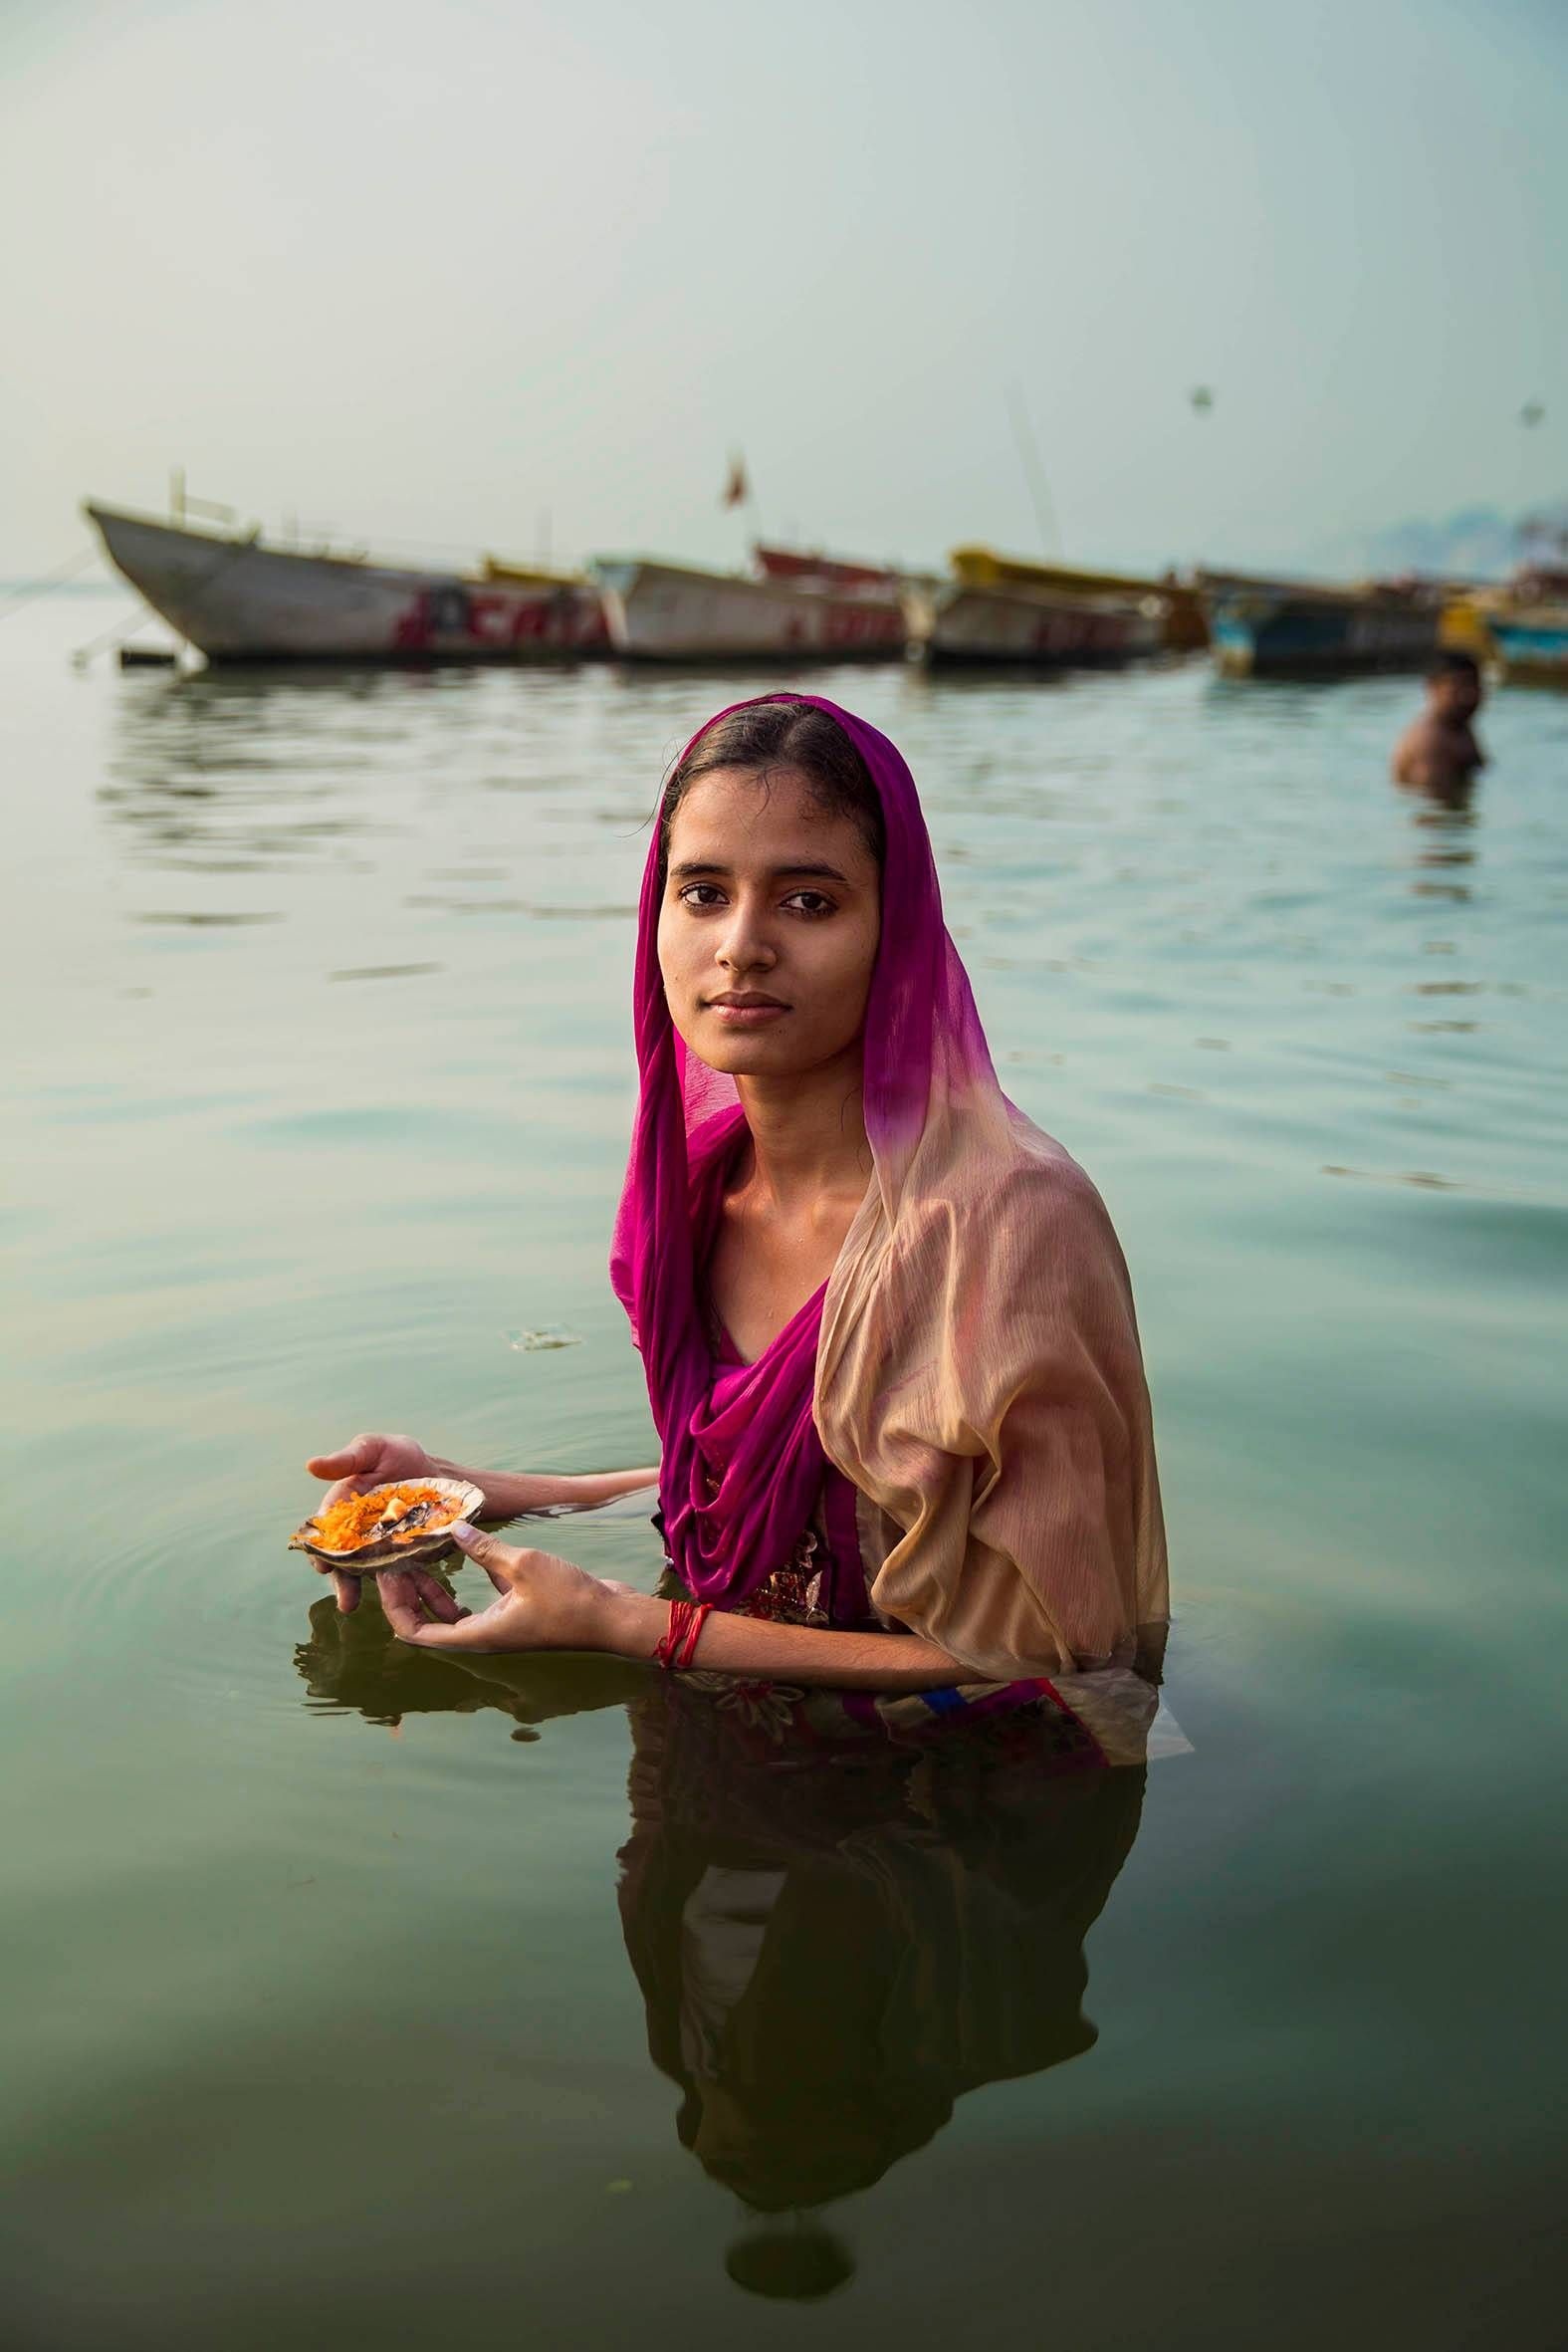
(740, 817)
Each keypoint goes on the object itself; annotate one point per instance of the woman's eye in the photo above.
(702, 894)
(811, 902)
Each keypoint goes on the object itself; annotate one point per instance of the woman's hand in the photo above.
(370, 1460)
(543, 1603)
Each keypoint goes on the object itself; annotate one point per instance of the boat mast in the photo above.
(1033, 471)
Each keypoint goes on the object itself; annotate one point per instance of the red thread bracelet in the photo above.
(700, 1616)
(664, 1655)
(679, 1646)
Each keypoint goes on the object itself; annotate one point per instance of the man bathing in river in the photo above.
(1439, 751)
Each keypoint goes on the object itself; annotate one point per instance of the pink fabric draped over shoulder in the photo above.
(978, 1376)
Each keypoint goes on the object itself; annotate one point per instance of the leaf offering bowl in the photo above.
(388, 1527)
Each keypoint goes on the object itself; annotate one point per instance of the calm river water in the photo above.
(350, 1998)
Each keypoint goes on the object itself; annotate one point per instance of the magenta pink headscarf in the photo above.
(737, 1486)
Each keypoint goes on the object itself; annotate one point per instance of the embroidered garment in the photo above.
(822, 1581)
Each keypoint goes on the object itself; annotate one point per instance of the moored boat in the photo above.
(1184, 630)
(662, 611)
(957, 621)
(1466, 625)
(1532, 642)
(1262, 628)
(238, 599)
(1522, 622)
(811, 567)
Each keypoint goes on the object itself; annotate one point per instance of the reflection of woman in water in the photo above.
(907, 1466)
(830, 1951)
(831, 1957)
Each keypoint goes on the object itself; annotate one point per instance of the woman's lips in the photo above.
(744, 1016)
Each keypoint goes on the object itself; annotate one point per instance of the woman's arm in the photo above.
(373, 1459)
(513, 1494)
(633, 1625)
(547, 1604)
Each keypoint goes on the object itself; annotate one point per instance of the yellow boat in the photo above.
(1465, 626)
(1185, 629)
(1521, 625)
(502, 570)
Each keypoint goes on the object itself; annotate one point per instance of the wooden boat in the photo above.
(1285, 629)
(1027, 625)
(1532, 642)
(1530, 624)
(1523, 624)
(659, 611)
(809, 566)
(1185, 629)
(1466, 624)
(238, 599)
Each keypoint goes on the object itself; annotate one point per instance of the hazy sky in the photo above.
(422, 269)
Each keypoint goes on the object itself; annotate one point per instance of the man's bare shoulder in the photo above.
(1415, 753)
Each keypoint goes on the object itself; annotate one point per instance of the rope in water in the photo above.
(33, 589)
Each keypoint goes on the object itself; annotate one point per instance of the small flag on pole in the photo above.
(737, 489)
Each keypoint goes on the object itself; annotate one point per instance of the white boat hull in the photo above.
(238, 601)
(667, 612)
(959, 623)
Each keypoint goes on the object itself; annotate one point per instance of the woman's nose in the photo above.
(745, 946)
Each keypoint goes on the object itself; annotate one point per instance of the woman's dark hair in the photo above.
(766, 735)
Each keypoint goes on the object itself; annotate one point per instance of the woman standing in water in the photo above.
(887, 1331)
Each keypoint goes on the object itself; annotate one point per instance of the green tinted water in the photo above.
(324, 2023)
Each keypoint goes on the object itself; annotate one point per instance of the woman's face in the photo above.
(769, 924)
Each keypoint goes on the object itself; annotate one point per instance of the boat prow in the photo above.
(238, 599)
